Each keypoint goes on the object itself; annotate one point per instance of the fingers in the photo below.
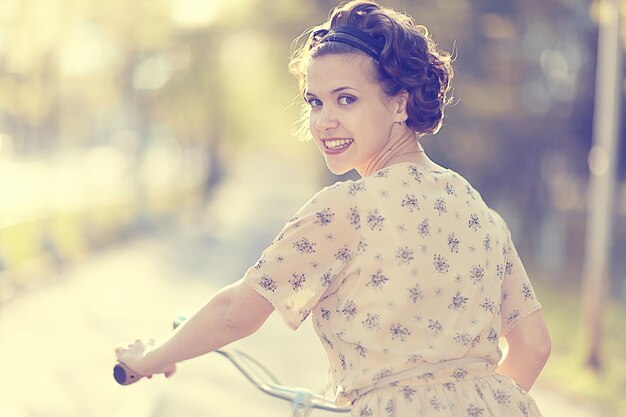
(132, 356)
(168, 373)
(119, 351)
(137, 346)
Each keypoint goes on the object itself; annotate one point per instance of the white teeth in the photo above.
(336, 144)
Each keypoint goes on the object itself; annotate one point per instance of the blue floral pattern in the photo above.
(404, 267)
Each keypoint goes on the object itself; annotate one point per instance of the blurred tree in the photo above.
(602, 163)
(214, 76)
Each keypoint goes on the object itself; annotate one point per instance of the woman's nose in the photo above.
(326, 120)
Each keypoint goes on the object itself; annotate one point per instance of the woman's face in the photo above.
(351, 118)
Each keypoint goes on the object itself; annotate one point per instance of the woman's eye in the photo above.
(314, 102)
(344, 100)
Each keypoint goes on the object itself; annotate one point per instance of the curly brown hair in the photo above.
(409, 61)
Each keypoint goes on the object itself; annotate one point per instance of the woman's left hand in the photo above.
(134, 357)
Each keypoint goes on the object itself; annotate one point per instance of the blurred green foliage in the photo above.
(565, 368)
(206, 81)
(213, 76)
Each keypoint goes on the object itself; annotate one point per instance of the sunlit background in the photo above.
(146, 146)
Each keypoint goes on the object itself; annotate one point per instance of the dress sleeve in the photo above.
(518, 296)
(313, 249)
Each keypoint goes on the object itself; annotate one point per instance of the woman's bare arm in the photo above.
(529, 349)
(233, 313)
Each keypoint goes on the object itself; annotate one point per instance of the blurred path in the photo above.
(57, 342)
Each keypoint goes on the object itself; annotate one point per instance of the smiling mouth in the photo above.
(337, 144)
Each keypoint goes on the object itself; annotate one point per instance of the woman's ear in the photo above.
(400, 101)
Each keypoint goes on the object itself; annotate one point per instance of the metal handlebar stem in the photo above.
(302, 400)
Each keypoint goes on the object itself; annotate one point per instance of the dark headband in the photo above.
(355, 38)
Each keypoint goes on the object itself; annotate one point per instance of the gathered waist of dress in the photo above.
(448, 371)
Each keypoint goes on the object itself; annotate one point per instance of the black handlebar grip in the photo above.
(124, 375)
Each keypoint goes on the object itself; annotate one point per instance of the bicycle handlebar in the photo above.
(274, 388)
(300, 397)
(124, 375)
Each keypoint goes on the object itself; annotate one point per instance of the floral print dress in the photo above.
(410, 280)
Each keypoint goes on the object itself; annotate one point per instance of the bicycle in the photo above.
(303, 400)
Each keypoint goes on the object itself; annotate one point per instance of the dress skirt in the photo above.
(473, 390)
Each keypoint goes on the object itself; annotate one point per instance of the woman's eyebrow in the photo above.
(338, 89)
(333, 91)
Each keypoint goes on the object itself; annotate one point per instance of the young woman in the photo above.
(409, 277)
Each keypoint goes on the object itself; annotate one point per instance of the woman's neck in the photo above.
(402, 147)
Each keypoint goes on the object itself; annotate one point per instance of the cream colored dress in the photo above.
(410, 280)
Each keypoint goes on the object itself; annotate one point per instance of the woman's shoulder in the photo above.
(338, 193)
(402, 174)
